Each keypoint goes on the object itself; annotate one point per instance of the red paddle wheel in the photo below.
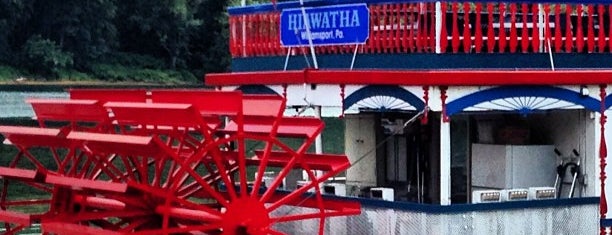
(164, 162)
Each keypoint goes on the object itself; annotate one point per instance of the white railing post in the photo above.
(541, 26)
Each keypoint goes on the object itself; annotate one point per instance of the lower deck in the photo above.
(564, 216)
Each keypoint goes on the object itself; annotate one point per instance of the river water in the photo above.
(13, 103)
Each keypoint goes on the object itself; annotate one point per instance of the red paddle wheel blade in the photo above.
(106, 95)
(69, 110)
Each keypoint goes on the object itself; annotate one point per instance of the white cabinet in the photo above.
(512, 166)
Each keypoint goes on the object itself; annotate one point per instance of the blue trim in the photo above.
(461, 208)
(377, 90)
(425, 61)
(268, 7)
(457, 208)
(605, 223)
(460, 104)
(608, 101)
(256, 89)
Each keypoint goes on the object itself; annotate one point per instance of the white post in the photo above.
(439, 25)
(541, 26)
(318, 140)
(445, 160)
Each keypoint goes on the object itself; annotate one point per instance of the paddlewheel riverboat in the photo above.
(473, 117)
(459, 118)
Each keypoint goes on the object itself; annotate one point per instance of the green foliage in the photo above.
(14, 15)
(66, 38)
(168, 24)
(134, 60)
(8, 73)
(209, 50)
(45, 57)
(84, 28)
(74, 75)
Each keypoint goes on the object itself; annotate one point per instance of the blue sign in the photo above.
(329, 25)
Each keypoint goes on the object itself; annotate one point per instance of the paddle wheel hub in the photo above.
(246, 216)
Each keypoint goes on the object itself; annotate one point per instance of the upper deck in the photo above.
(406, 34)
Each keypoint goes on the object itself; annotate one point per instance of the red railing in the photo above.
(492, 27)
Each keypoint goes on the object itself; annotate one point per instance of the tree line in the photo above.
(114, 40)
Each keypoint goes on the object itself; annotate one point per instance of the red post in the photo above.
(525, 29)
(513, 33)
(377, 33)
(610, 31)
(370, 43)
(266, 33)
(579, 29)
(467, 34)
(253, 35)
(342, 93)
(601, 43)
(419, 30)
(425, 117)
(269, 23)
(267, 26)
(569, 42)
(535, 30)
(443, 98)
(502, 27)
(428, 11)
(478, 29)
(232, 36)
(558, 35)
(490, 29)
(398, 30)
(258, 39)
(384, 32)
(432, 27)
(423, 32)
(248, 34)
(405, 29)
(603, 152)
(455, 34)
(444, 33)
(590, 30)
(412, 20)
(280, 50)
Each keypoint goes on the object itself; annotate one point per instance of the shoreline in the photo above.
(62, 86)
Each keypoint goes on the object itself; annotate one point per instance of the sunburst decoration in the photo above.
(524, 104)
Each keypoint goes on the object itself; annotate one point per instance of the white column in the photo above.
(318, 140)
(318, 144)
(445, 162)
(439, 24)
(541, 26)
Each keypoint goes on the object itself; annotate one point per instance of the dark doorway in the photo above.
(403, 156)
